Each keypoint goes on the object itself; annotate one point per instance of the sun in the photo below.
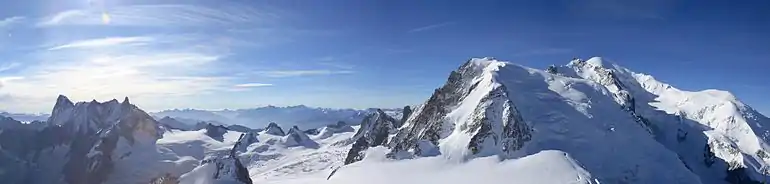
(105, 18)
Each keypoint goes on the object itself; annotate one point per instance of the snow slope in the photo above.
(691, 123)
(543, 167)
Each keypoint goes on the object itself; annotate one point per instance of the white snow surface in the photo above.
(543, 167)
(735, 131)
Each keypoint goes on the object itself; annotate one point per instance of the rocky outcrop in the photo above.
(357, 151)
(228, 167)
(297, 137)
(173, 124)
(216, 131)
(312, 131)
(165, 179)
(274, 129)
(497, 126)
(375, 130)
(405, 113)
(240, 128)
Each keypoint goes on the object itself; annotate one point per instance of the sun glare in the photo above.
(105, 18)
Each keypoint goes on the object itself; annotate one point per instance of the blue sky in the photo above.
(236, 54)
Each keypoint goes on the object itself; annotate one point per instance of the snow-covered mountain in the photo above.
(620, 126)
(588, 121)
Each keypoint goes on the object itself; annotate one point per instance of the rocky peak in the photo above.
(375, 130)
(63, 102)
(296, 137)
(245, 140)
(376, 127)
(274, 129)
(216, 131)
(228, 167)
(426, 122)
(95, 130)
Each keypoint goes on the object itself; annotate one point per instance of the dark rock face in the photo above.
(405, 113)
(357, 151)
(376, 127)
(427, 121)
(708, 156)
(216, 131)
(739, 176)
(246, 139)
(274, 129)
(375, 130)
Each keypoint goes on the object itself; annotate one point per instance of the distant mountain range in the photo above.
(302, 116)
(25, 117)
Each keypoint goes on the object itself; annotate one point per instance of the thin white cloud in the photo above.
(160, 15)
(430, 27)
(298, 73)
(4, 80)
(104, 42)
(251, 85)
(158, 70)
(10, 21)
(8, 66)
(337, 65)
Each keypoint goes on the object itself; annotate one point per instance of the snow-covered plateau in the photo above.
(588, 121)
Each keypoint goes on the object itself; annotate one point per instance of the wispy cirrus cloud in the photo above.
(431, 27)
(160, 15)
(6, 22)
(163, 66)
(103, 42)
(251, 85)
(8, 66)
(298, 73)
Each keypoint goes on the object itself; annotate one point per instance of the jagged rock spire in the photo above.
(274, 129)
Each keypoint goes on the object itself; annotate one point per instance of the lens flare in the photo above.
(105, 18)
